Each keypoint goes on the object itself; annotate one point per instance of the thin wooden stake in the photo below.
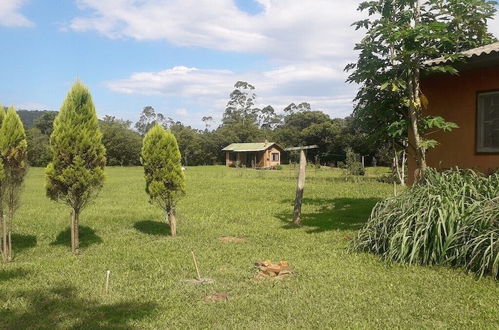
(299, 189)
(108, 274)
(196, 265)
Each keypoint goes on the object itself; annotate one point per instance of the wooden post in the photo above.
(108, 274)
(196, 265)
(301, 182)
(299, 189)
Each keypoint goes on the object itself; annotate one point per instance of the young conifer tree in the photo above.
(14, 152)
(76, 173)
(3, 225)
(165, 181)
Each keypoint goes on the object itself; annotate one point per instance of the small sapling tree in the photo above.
(3, 224)
(165, 182)
(13, 150)
(76, 173)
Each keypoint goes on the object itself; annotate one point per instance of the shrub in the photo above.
(76, 173)
(450, 218)
(353, 165)
(13, 150)
(165, 181)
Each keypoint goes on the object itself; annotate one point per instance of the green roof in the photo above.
(242, 147)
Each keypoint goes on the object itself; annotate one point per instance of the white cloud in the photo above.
(182, 112)
(278, 87)
(494, 25)
(10, 16)
(285, 29)
(292, 34)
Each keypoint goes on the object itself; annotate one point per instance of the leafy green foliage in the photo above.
(13, 155)
(400, 37)
(121, 143)
(450, 218)
(352, 163)
(2, 173)
(39, 153)
(13, 149)
(76, 173)
(165, 182)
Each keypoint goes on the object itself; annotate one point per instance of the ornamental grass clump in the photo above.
(449, 218)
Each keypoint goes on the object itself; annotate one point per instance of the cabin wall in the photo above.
(455, 99)
(268, 157)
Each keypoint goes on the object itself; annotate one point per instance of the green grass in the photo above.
(47, 287)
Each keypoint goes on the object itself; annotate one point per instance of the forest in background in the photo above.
(295, 125)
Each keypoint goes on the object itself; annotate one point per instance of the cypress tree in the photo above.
(3, 225)
(14, 151)
(76, 173)
(165, 182)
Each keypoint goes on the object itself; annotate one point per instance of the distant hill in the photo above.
(28, 117)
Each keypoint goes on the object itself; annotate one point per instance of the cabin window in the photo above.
(488, 122)
(275, 156)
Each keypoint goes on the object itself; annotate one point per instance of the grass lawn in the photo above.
(47, 287)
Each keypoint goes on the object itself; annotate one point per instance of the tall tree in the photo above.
(401, 36)
(165, 182)
(241, 105)
(207, 120)
(76, 173)
(148, 118)
(121, 142)
(13, 149)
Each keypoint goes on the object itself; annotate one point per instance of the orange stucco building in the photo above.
(471, 100)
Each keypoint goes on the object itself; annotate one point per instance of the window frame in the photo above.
(480, 150)
(278, 156)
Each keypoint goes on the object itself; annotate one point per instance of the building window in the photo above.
(275, 156)
(488, 122)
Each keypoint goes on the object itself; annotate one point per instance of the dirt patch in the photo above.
(222, 296)
(232, 239)
(267, 269)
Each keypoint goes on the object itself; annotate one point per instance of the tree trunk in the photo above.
(299, 189)
(72, 228)
(173, 223)
(75, 229)
(5, 251)
(77, 232)
(9, 257)
(414, 116)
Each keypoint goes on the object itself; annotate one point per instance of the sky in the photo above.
(181, 57)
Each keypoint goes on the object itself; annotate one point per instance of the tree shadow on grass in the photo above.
(87, 237)
(9, 274)
(333, 214)
(150, 227)
(62, 307)
(22, 242)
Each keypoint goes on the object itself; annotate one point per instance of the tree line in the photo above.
(295, 125)
(77, 157)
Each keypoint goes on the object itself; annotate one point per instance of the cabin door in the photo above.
(251, 159)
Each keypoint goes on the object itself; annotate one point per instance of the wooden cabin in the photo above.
(253, 155)
(471, 100)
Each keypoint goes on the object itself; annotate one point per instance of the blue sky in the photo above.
(180, 56)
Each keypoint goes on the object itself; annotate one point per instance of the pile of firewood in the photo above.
(268, 269)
